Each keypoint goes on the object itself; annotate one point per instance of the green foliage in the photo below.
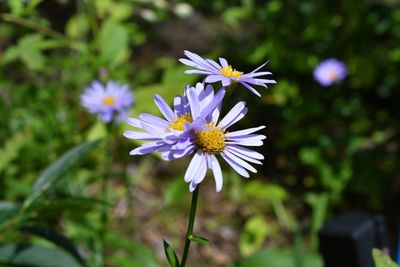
(381, 259)
(113, 42)
(326, 147)
(37, 256)
(58, 169)
(30, 51)
(252, 238)
(277, 258)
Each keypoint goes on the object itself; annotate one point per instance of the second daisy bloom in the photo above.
(224, 73)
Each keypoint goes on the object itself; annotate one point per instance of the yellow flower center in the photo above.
(211, 140)
(178, 123)
(333, 75)
(229, 72)
(108, 101)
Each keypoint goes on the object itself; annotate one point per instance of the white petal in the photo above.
(134, 122)
(254, 91)
(216, 168)
(239, 169)
(223, 62)
(193, 166)
(164, 108)
(246, 151)
(241, 162)
(243, 156)
(141, 135)
(194, 103)
(214, 78)
(178, 105)
(234, 115)
(244, 132)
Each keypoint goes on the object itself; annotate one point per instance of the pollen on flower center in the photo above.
(178, 123)
(229, 72)
(108, 101)
(211, 140)
(333, 75)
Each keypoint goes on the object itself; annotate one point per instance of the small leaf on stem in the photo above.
(199, 239)
(171, 256)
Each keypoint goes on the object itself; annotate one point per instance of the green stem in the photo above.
(104, 190)
(190, 225)
(37, 27)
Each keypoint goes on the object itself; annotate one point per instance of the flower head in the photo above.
(108, 102)
(224, 72)
(214, 140)
(330, 71)
(201, 134)
(172, 134)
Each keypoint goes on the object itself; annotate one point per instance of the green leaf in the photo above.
(35, 256)
(130, 253)
(10, 55)
(277, 258)
(255, 231)
(59, 168)
(270, 192)
(381, 259)
(199, 239)
(7, 211)
(29, 50)
(12, 147)
(56, 238)
(171, 256)
(113, 42)
(77, 26)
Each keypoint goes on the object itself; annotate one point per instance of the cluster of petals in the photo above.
(203, 107)
(109, 101)
(224, 73)
(161, 136)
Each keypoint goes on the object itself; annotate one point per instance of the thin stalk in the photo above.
(37, 27)
(105, 195)
(192, 215)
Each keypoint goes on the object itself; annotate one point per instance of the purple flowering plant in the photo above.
(330, 71)
(108, 102)
(193, 127)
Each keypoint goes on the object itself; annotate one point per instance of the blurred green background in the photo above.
(328, 150)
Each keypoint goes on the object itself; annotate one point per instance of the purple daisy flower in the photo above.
(330, 71)
(231, 146)
(200, 133)
(224, 72)
(172, 134)
(112, 100)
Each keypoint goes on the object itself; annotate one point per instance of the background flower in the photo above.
(330, 71)
(108, 102)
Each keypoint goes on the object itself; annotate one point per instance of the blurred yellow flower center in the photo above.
(333, 75)
(229, 72)
(178, 123)
(211, 140)
(108, 101)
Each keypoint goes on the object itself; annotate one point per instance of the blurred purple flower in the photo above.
(108, 102)
(195, 123)
(330, 71)
(224, 72)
